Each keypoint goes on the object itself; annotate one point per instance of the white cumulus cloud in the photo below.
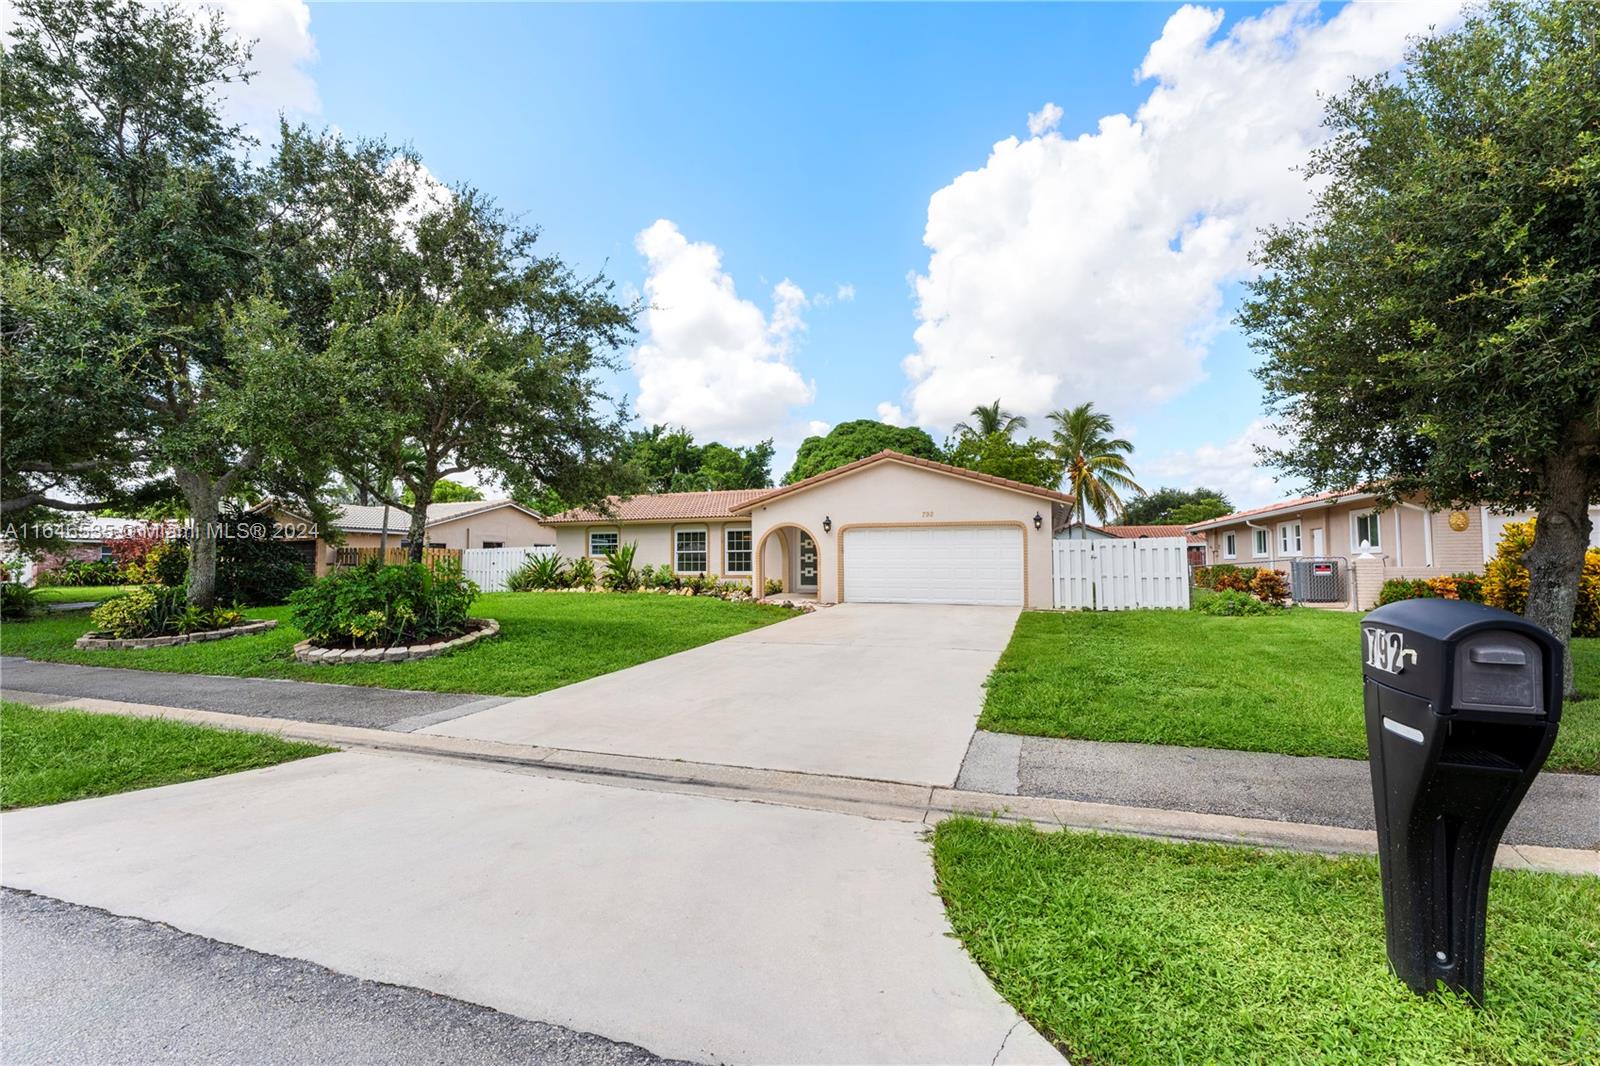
(1229, 467)
(1091, 267)
(279, 32)
(1044, 120)
(892, 413)
(711, 360)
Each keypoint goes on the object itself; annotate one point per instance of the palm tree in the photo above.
(989, 420)
(1097, 470)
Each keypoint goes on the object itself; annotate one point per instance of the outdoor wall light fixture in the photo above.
(827, 524)
(1038, 520)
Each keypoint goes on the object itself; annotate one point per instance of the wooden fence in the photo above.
(356, 556)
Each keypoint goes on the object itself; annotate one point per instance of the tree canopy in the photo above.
(668, 460)
(1170, 506)
(1431, 328)
(849, 441)
(1093, 461)
(989, 419)
(1031, 461)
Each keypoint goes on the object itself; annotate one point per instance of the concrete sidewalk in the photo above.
(1560, 811)
(306, 701)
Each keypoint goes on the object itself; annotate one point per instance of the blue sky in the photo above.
(807, 143)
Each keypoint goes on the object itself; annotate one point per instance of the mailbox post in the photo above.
(1462, 704)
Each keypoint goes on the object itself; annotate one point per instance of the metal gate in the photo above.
(1317, 580)
(1120, 575)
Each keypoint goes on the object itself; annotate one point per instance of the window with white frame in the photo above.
(1263, 544)
(1365, 528)
(690, 551)
(1230, 546)
(603, 543)
(1289, 538)
(738, 544)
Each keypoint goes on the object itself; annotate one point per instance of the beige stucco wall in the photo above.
(657, 542)
(511, 527)
(897, 494)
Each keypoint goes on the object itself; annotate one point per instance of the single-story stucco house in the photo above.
(889, 528)
(1194, 542)
(1408, 539)
(502, 523)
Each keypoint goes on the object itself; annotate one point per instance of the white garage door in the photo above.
(934, 564)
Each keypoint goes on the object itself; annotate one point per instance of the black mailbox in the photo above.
(1462, 703)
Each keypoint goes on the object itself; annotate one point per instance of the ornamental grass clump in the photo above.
(378, 606)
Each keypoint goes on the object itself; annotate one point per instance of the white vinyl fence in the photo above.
(490, 567)
(1119, 575)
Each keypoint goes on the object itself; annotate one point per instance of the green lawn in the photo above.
(79, 593)
(1136, 951)
(547, 639)
(55, 756)
(1288, 683)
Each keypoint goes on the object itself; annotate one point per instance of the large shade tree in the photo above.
(1431, 328)
(136, 309)
(668, 459)
(1170, 506)
(1094, 460)
(849, 441)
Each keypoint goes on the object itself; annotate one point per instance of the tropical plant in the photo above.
(373, 605)
(989, 419)
(76, 573)
(18, 602)
(618, 572)
(545, 571)
(581, 575)
(1269, 586)
(1096, 463)
(1236, 604)
(1506, 583)
(147, 611)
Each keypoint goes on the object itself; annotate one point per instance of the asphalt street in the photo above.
(84, 986)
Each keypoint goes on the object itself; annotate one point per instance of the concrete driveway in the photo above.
(694, 927)
(886, 691)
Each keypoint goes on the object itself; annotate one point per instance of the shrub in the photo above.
(165, 564)
(151, 611)
(1270, 586)
(132, 549)
(663, 577)
(1467, 586)
(1225, 577)
(620, 574)
(581, 575)
(773, 586)
(259, 571)
(548, 571)
(698, 584)
(76, 573)
(373, 605)
(18, 602)
(1402, 588)
(1505, 579)
(1231, 602)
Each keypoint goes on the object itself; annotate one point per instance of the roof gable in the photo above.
(902, 459)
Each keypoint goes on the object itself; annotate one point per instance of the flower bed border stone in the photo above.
(92, 642)
(310, 654)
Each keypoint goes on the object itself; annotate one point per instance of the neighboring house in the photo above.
(84, 538)
(1196, 542)
(889, 528)
(470, 524)
(1407, 539)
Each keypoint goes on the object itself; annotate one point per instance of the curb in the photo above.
(858, 797)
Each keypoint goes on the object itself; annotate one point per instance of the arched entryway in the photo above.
(799, 562)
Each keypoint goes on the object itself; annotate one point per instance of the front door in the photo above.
(808, 563)
(1318, 549)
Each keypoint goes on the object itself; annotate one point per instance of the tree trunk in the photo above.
(204, 498)
(419, 520)
(1560, 539)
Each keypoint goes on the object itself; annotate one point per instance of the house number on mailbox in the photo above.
(1387, 651)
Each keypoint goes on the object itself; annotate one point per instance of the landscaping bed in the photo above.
(55, 756)
(309, 652)
(1124, 950)
(546, 640)
(93, 641)
(1287, 682)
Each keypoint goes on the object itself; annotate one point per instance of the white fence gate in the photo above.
(490, 567)
(1119, 575)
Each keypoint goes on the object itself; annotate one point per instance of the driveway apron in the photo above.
(694, 927)
(885, 691)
